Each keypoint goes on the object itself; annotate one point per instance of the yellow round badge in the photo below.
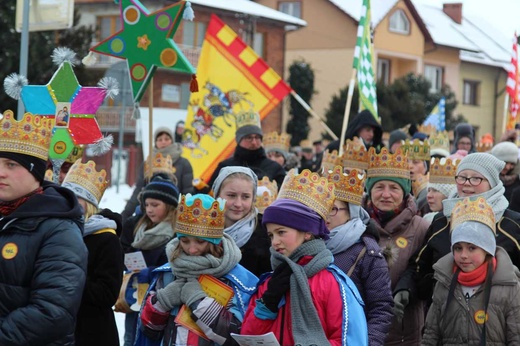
(9, 251)
(401, 242)
(480, 316)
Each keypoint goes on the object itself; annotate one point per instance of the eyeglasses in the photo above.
(251, 138)
(473, 181)
(334, 211)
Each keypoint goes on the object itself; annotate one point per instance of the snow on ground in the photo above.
(116, 200)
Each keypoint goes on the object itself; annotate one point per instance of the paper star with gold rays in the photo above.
(146, 42)
(71, 105)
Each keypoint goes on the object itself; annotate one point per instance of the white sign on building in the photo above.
(46, 14)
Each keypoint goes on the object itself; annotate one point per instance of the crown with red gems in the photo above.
(386, 164)
(310, 189)
(347, 187)
(329, 160)
(473, 209)
(29, 136)
(355, 154)
(195, 219)
(86, 181)
(249, 117)
(266, 193)
(416, 150)
(443, 170)
(275, 141)
(439, 141)
(160, 164)
(419, 184)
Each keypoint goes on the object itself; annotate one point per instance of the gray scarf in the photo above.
(241, 230)
(307, 328)
(148, 239)
(344, 236)
(174, 150)
(96, 223)
(494, 197)
(186, 266)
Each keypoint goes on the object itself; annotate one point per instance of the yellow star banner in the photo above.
(234, 81)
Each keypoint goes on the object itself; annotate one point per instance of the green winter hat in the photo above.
(406, 184)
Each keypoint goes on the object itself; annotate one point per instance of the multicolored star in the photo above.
(146, 42)
(63, 91)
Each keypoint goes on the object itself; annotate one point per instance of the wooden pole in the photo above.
(309, 109)
(150, 127)
(347, 110)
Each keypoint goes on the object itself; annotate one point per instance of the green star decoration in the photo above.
(146, 42)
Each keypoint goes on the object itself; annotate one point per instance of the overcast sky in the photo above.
(503, 14)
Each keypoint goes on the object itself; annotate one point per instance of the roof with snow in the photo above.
(252, 8)
(478, 41)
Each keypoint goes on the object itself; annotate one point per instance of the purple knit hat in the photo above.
(291, 213)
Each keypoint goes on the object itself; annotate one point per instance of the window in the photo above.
(434, 75)
(292, 8)
(383, 71)
(258, 44)
(193, 33)
(108, 25)
(399, 23)
(470, 92)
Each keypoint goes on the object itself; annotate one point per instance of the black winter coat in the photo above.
(256, 256)
(257, 161)
(43, 269)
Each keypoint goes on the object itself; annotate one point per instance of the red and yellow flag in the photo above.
(233, 80)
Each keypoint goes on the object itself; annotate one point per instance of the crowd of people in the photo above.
(414, 240)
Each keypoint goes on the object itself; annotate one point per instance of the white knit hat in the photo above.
(485, 164)
(475, 233)
(445, 189)
(506, 151)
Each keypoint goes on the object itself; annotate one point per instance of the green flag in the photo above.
(363, 63)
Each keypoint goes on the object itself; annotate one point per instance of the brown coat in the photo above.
(459, 326)
(405, 233)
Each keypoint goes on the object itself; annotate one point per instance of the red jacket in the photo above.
(326, 298)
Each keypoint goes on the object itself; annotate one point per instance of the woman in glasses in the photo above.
(477, 176)
(357, 253)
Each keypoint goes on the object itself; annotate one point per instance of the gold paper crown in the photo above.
(483, 147)
(86, 176)
(306, 143)
(427, 129)
(269, 191)
(329, 160)
(347, 187)
(310, 189)
(443, 171)
(476, 209)
(249, 117)
(386, 164)
(275, 141)
(419, 184)
(29, 136)
(439, 140)
(160, 164)
(199, 221)
(416, 150)
(355, 154)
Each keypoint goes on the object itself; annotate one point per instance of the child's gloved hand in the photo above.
(401, 300)
(277, 286)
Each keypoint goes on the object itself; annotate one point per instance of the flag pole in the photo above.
(347, 110)
(311, 111)
(150, 128)
(506, 111)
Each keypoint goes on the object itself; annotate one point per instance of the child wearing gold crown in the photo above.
(200, 249)
(44, 259)
(105, 256)
(306, 299)
(476, 298)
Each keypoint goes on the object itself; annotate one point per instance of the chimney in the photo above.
(454, 11)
